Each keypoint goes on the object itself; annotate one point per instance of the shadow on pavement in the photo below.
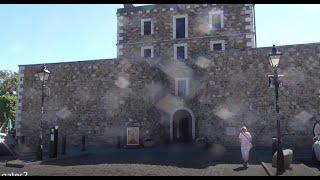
(241, 168)
(311, 164)
(179, 156)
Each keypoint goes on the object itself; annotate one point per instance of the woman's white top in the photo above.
(245, 141)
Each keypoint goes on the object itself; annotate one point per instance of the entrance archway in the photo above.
(182, 126)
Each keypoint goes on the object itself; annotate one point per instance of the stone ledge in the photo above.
(15, 164)
(61, 157)
(132, 146)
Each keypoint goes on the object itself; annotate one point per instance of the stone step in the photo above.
(15, 164)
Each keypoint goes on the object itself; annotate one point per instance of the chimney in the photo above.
(128, 5)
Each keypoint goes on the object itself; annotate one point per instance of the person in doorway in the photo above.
(246, 145)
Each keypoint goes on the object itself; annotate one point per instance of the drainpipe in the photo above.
(254, 21)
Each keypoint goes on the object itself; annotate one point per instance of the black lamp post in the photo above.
(274, 59)
(43, 75)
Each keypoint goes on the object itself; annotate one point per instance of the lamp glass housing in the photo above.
(44, 74)
(274, 60)
(274, 57)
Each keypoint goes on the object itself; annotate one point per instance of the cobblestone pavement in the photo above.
(172, 161)
(297, 169)
(132, 170)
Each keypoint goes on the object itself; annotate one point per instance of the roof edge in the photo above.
(70, 62)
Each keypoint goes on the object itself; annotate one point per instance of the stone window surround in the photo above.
(185, 45)
(218, 42)
(147, 47)
(176, 85)
(142, 25)
(185, 16)
(211, 13)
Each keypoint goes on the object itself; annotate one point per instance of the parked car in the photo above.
(2, 137)
(316, 150)
(5, 143)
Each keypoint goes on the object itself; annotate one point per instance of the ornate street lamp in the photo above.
(274, 59)
(43, 75)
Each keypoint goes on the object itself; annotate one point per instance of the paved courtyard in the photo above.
(133, 170)
(177, 160)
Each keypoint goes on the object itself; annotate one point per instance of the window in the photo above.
(216, 20)
(180, 26)
(146, 27)
(181, 87)
(147, 52)
(180, 52)
(217, 45)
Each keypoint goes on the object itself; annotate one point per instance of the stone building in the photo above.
(183, 72)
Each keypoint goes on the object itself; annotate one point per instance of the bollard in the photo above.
(39, 153)
(119, 144)
(55, 142)
(274, 145)
(83, 143)
(22, 140)
(51, 143)
(64, 143)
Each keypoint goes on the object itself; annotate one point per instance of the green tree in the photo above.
(8, 82)
(7, 107)
(8, 97)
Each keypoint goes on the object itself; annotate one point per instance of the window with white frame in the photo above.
(181, 86)
(217, 45)
(180, 51)
(216, 20)
(180, 26)
(146, 27)
(147, 52)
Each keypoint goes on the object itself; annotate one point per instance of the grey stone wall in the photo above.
(234, 93)
(93, 98)
(238, 31)
(228, 89)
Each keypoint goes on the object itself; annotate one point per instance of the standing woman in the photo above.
(245, 141)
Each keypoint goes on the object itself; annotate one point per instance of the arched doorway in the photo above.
(182, 126)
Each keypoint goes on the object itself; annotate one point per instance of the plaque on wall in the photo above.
(132, 135)
(231, 131)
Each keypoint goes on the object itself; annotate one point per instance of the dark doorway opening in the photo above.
(182, 126)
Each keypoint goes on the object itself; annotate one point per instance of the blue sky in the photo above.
(32, 34)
